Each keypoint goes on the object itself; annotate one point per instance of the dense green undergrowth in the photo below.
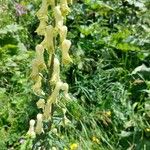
(109, 77)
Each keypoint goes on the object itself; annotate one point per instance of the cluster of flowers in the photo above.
(50, 32)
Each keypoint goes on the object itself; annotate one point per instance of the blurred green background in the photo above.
(109, 77)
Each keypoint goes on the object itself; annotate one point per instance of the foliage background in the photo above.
(111, 110)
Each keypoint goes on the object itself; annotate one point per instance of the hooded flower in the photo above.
(65, 88)
(65, 48)
(41, 28)
(35, 70)
(47, 111)
(63, 33)
(56, 72)
(48, 42)
(41, 103)
(53, 97)
(40, 57)
(31, 132)
(43, 10)
(39, 124)
(58, 17)
(64, 7)
(37, 87)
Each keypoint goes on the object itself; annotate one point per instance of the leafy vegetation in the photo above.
(109, 77)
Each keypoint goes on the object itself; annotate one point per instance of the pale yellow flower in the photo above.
(47, 111)
(40, 57)
(63, 33)
(65, 48)
(58, 17)
(39, 125)
(53, 97)
(74, 146)
(41, 103)
(41, 28)
(31, 132)
(43, 10)
(48, 39)
(65, 88)
(95, 140)
(37, 86)
(56, 72)
(35, 70)
(64, 7)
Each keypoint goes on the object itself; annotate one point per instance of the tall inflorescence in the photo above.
(46, 65)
